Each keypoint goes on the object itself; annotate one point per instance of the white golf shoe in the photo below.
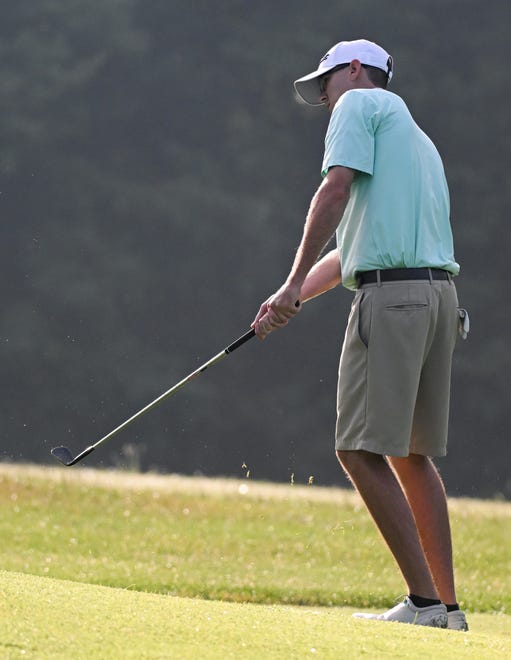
(406, 612)
(457, 620)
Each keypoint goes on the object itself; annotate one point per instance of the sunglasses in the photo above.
(323, 80)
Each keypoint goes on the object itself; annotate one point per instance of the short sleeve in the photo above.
(349, 139)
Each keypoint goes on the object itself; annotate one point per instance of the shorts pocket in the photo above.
(364, 319)
(406, 307)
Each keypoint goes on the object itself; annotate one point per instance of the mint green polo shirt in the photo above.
(398, 212)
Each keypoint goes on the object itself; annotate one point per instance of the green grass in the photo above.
(45, 618)
(219, 540)
(192, 537)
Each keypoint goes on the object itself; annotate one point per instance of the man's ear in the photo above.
(355, 69)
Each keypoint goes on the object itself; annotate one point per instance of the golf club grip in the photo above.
(239, 342)
(248, 335)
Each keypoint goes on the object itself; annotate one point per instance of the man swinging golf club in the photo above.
(385, 196)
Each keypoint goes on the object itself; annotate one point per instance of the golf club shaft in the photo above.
(229, 349)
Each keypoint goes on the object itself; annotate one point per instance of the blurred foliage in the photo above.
(155, 173)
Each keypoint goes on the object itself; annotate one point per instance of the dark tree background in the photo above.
(155, 174)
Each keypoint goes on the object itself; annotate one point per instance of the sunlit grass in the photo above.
(235, 541)
(46, 618)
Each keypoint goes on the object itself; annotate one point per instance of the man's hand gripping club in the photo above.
(277, 310)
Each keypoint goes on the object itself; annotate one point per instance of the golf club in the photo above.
(64, 455)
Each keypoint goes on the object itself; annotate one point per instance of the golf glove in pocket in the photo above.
(463, 323)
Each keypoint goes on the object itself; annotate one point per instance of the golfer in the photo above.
(385, 196)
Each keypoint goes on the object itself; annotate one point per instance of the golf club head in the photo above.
(63, 455)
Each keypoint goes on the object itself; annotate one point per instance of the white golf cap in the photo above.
(366, 52)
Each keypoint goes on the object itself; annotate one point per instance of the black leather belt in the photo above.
(400, 275)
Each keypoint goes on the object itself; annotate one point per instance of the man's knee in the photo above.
(354, 460)
(410, 463)
(413, 467)
(343, 457)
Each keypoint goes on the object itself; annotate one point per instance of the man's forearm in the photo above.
(325, 213)
(323, 276)
(326, 210)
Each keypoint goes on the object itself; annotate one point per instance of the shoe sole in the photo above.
(439, 621)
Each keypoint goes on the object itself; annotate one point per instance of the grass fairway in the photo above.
(47, 618)
(196, 544)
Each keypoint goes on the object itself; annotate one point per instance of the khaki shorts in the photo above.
(395, 368)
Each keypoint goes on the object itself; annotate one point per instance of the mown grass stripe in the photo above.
(47, 618)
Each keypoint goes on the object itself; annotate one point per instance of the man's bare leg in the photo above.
(425, 493)
(382, 494)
